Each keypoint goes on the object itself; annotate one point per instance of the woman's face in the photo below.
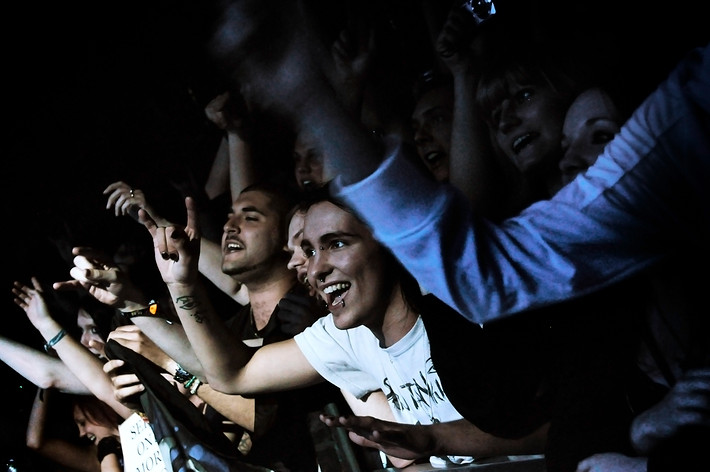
(94, 432)
(90, 337)
(526, 126)
(308, 162)
(431, 124)
(592, 121)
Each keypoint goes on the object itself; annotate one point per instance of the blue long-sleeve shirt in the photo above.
(646, 197)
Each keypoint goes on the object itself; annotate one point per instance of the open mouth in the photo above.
(522, 141)
(335, 293)
(308, 184)
(433, 158)
(233, 245)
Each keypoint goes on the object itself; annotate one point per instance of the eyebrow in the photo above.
(328, 236)
(249, 209)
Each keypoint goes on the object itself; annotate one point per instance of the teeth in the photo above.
(432, 156)
(521, 142)
(332, 288)
(234, 246)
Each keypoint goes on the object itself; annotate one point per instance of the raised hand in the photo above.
(353, 56)
(267, 49)
(31, 299)
(455, 39)
(228, 112)
(687, 404)
(125, 200)
(177, 248)
(94, 271)
(214, 111)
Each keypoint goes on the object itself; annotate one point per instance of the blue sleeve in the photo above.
(646, 196)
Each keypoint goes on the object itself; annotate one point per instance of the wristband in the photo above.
(193, 384)
(181, 375)
(50, 344)
(152, 310)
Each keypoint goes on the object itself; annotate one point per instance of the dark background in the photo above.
(102, 91)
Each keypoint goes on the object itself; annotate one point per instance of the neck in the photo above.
(398, 320)
(266, 294)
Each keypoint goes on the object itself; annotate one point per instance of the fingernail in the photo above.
(174, 257)
(164, 255)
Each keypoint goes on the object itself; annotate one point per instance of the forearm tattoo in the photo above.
(190, 304)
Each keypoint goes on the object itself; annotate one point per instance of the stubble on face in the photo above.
(255, 226)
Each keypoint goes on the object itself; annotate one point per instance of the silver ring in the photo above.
(132, 194)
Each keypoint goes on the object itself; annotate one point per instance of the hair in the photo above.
(96, 411)
(283, 200)
(102, 314)
(526, 58)
(429, 80)
(409, 286)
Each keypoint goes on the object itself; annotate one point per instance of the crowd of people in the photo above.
(469, 240)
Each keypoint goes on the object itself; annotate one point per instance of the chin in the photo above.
(342, 322)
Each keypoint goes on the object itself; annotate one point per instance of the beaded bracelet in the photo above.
(50, 344)
(193, 384)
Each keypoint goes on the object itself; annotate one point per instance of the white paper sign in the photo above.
(141, 452)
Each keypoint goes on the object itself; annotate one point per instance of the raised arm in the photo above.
(86, 366)
(225, 359)
(292, 79)
(126, 200)
(106, 282)
(620, 211)
(229, 113)
(210, 265)
(471, 157)
(41, 369)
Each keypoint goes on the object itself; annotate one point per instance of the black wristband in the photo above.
(108, 445)
(152, 310)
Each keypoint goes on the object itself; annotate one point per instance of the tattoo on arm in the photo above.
(190, 304)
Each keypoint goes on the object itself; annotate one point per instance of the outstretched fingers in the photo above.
(21, 294)
(160, 242)
(192, 230)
